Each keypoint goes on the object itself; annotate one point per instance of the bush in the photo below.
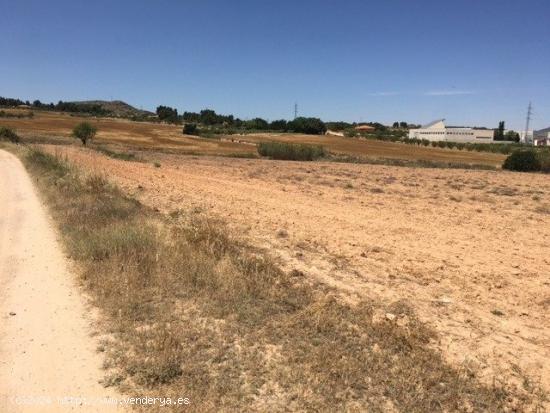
(7, 134)
(190, 129)
(351, 133)
(290, 151)
(544, 158)
(523, 161)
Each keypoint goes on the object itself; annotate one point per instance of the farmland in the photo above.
(146, 136)
(463, 250)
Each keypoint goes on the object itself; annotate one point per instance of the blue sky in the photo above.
(473, 62)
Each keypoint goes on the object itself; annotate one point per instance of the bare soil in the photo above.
(467, 249)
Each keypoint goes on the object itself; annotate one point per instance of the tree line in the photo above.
(212, 122)
(88, 108)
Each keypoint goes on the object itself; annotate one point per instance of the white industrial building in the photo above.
(437, 131)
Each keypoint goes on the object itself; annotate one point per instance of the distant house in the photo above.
(542, 140)
(542, 137)
(23, 107)
(438, 131)
(364, 128)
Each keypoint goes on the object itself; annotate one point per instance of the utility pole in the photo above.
(295, 110)
(528, 119)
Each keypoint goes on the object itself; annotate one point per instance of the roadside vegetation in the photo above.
(291, 151)
(191, 311)
(8, 135)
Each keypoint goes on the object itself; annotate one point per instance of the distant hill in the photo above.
(116, 107)
(542, 132)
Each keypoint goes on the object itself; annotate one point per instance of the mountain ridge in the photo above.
(116, 107)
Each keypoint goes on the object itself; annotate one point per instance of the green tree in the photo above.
(84, 131)
(311, 126)
(279, 125)
(511, 136)
(167, 114)
(209, 117)
(499, 133)
(257, 124)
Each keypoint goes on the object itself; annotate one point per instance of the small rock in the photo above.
(390, 316)
(12, 313)
(445, 300)
(497, 312)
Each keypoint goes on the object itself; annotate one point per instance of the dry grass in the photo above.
(190, 311)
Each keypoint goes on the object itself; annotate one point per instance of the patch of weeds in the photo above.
(543, 209)
(244, 155)
(124, 156)
(290, 151)
(408, 163)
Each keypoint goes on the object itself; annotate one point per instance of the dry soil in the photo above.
(469, 250)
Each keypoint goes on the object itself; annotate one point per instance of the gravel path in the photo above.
(46, 351)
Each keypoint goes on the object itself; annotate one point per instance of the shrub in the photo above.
(544, 158)
(190, 129)
(350, 133)
(290, 151)
(84, 131)
(522, 161)
(7, 134)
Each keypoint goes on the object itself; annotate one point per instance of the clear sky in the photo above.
(474, 62)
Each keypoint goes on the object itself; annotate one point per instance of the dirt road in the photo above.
(46, 351)
(467, 249)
